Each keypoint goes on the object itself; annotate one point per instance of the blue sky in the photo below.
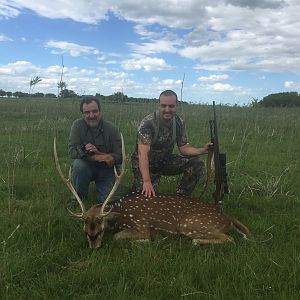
(230, 51)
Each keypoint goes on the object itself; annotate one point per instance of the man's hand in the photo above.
(207, 147)
(148, 189)
(92, 148)
(99, 156)
(107, 158)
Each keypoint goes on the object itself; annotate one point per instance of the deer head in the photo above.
(95, 219)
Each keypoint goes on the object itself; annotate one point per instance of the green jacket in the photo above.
(105, 137)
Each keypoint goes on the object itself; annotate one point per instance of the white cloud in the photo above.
(146, 63)
(4, 38)
(89, 12)
(292, 85)
(258, 3)
(18, 68)
(171, 82)
(214, 77)
(222, 87)
(257, 32)
(289, 84)
(6, 11)
(268, 42)
(16, 77)
(170, 13)
(153, 47)
(70, 48)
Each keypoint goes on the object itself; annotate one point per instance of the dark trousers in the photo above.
(84, 172)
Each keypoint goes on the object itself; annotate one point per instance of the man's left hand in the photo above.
(208, 146)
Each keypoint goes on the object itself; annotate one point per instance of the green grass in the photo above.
(44, 254)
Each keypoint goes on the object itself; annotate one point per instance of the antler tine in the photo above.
(117, 182)
(68, 183)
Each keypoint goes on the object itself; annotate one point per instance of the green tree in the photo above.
(38, 95)
(20, 94)
(61, 85)
(65, 93)
(50, 95)
(118, 97)
(281, 100)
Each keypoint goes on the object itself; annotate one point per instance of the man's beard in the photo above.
(92, 123)
(167, 116)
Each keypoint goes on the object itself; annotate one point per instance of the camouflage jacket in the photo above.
(161, 137)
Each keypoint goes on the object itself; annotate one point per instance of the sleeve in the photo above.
(74, 140)
(181, 136)
(116, 146)
(145, 133)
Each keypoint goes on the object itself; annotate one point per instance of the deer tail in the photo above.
(241, 228)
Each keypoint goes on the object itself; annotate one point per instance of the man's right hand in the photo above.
(148, 189)
(107, 158)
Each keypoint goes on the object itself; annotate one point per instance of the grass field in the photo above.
(44, 253)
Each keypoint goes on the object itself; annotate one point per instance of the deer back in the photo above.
(169, 213)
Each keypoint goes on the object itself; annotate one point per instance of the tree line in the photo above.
(286, 99)
(116, 97)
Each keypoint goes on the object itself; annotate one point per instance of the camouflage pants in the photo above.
(191, 167)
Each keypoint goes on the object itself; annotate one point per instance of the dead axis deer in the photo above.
(139, 217)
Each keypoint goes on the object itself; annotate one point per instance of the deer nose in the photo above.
(92, 237)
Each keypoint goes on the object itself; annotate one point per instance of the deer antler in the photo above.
(117, 182)
(68, 183)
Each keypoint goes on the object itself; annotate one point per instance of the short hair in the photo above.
(88, 99)
(168, 93)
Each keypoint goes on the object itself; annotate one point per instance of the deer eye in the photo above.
(99, 220)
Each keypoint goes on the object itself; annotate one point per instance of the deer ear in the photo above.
(112, 216)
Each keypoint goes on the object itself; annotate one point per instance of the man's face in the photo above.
(91, 114)
(167, 107)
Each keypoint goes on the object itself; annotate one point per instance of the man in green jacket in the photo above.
(95, 147)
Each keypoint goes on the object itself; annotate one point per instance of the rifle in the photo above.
(219, 163)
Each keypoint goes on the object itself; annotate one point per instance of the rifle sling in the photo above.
(208, 169)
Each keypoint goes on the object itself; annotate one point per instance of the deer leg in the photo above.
(132, 234)
(213, 239)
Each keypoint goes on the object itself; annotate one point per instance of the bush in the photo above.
(281, 100)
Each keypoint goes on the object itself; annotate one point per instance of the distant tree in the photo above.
(118, 97)
(62, 85)
(20, 94)
(38, 95)
(67, 93)
(2, 93)
(50, 95)
(9, 94)
(281, 100)
(33, 82)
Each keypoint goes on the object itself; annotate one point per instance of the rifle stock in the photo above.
(221, 186)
